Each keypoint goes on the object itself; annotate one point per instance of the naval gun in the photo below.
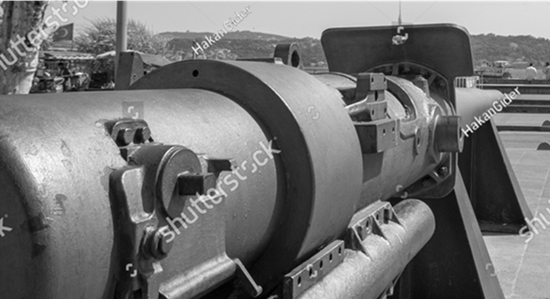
(255, 179)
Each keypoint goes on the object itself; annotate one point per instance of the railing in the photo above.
(534, 88)
(467, 82)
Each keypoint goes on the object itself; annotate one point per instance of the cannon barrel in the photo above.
(472, 103)
(283, 155)
(210, 179)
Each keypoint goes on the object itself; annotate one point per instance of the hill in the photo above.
(242, 44)
(246, 35)
(518, 50)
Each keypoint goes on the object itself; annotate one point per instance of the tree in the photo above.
(100, 37)
(21, 33)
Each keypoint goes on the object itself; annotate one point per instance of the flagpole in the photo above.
(399, 20)
(121, 30)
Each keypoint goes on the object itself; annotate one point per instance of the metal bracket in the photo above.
(136, 233)
(246, 279)
(399, 39)
(436, 178)
(377, 136)
(313, 270)
(366, 111)
(367, 222)
(150, 216)
(290, 54)
(370, 86)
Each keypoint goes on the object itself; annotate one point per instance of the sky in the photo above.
(309, 19)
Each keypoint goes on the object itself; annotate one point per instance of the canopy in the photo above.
(65, 55)
(149, 59)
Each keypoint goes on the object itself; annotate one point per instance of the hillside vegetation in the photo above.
(518, 50)
(515, 49)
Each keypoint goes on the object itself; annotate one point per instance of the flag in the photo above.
(63, 33)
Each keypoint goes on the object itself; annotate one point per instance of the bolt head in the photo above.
(157, 245)
(443, 171)
(165, 244)
(125, 137)
(142, 135)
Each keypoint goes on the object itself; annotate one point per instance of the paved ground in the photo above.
(523, 268)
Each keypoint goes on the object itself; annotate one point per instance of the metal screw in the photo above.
(164, 246)
(443, 171)
(156, 245)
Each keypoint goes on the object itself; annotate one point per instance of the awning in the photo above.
(65, 55)
(154, 60)
(149, 59)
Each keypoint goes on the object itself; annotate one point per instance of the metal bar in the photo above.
(121, 30)
(527, 109)
(524, 128)
(489, 85)
(523, 88)
(526, 100)
(313, 270)
(270, 60)
(369, 276)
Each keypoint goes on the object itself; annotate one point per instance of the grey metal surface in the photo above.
(56, 170)
(387, 248)
(317, 143)
(489, 178)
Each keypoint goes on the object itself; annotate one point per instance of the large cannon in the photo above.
(210, 179)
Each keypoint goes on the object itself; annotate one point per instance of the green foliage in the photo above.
(245, 34)
(522, 49)
(100, 37)
(245, 44)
